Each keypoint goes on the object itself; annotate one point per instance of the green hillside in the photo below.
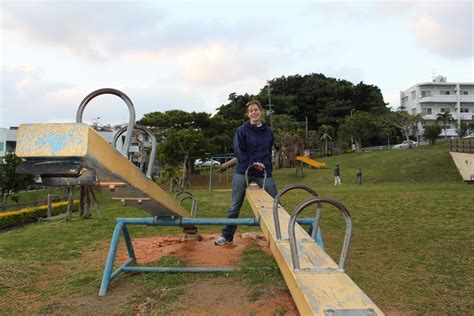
(431, 163)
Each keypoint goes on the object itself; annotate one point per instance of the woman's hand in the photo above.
(259, 165)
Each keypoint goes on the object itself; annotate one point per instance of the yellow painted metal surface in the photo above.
(313, 293)
(311, 162)
(465, 164)
(79, 140)
(52, 140)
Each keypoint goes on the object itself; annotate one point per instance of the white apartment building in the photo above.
(7, 140)
(439, 96)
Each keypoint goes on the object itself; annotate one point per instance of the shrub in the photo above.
(32, 214)
(431, 133)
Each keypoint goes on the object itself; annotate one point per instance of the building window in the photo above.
(1, 146)
(413, 95)
(464, 110)
(426, 111)
(464, 92)
(444, 92)
(425, 94)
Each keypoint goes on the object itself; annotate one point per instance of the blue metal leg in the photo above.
(319, 238)
(110, 259)
(128, 242)
(319, 235)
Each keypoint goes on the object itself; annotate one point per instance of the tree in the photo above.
(444, 118)
(321, 99)
(176, 119)
(182, 145)
(361, 126)
(10, 181)
(389, 126)
(431, 133)
(406, 122)
(235, 109)
(288, 139)
(462, 129)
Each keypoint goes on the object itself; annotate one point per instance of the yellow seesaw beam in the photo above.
(116, 176)
(314, 293)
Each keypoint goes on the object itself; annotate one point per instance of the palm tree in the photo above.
(444, 118)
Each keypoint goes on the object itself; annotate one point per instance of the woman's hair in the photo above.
(252, 102)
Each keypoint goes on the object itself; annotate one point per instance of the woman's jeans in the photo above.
(238, 194)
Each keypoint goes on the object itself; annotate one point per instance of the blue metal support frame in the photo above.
(121, 228)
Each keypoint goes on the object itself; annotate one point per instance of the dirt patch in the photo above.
(219, 296)
(195, 253)
(213, 296)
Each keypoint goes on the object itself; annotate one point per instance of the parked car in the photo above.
(406, 144)
(207, 163)
(469, 136)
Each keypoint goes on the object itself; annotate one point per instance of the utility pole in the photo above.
(352, 138)
(270, 111)
(306, 130)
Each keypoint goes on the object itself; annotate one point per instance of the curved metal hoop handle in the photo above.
(142, 128)
(182, 192)
(347, 237)
(276, 201)
(247, 177)
(193, 204)
(125, 98)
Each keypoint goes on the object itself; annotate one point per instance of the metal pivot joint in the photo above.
(125, 98)
(247, 177)
(347, 237)
(276, 202)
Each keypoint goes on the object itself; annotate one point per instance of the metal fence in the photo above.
(462, 146)
(374, 148)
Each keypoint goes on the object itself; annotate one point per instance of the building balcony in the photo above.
(447, 99)
(467, 98)
(450, 132)
(463, 116)
(439, 99)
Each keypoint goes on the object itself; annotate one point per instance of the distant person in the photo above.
(359, 176)
(337, 175)
(253, 142)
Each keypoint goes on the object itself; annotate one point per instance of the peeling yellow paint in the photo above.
(79, 140)
(52, 140)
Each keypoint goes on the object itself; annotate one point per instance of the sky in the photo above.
(191, 55)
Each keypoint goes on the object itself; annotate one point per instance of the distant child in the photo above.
(359, 176)
(337, 175)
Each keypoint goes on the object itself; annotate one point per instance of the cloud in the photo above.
(446, 29)
(221, 63)
(99, 31)
(92, 29)
(28, 97)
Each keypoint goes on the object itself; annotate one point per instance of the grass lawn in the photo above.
(411, 249)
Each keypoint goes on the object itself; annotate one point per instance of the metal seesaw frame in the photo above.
(121, 228)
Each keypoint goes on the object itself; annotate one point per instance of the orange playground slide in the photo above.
(311, 162)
